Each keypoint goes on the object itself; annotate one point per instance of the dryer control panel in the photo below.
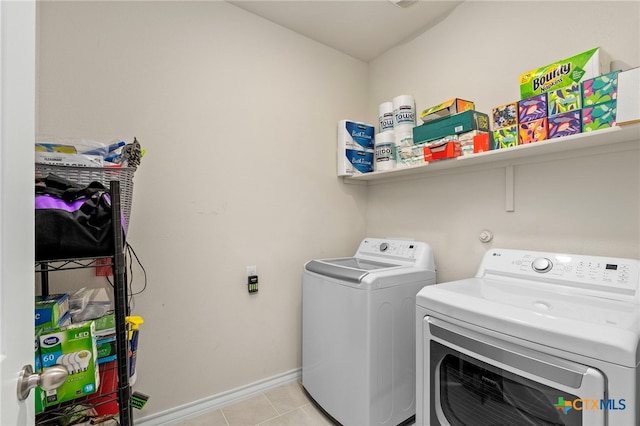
(586, 274)
(408, 252)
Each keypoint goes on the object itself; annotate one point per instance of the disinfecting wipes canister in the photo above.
(404, 111)
(385, 151)
(385, 117)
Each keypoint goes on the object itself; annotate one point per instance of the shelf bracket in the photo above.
(509, 189)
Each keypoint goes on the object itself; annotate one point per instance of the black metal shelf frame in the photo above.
(123, 394)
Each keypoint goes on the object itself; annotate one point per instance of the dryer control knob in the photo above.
(542, 265)
(384, 246)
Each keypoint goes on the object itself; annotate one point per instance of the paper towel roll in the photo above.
(385, 151)
(385, 117)
(404, 111)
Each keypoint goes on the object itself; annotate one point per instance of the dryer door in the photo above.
(476, 379)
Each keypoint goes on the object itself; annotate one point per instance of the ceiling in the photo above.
(363, 29)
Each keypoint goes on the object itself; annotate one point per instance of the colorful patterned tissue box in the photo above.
(598, 117)
(566, 99)
(569, 123)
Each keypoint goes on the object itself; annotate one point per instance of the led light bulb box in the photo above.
(575, 69)
(50, 310)
(74, 347)
(452, 125)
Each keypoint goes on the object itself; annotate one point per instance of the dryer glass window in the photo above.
(472, 392)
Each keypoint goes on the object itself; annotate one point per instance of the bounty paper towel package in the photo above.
(575, 69)
(355, 148)
(75, 348)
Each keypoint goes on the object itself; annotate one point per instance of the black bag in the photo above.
(72, 221)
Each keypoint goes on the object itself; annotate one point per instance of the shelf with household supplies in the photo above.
(617, 138)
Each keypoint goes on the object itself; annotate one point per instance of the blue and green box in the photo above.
(73, 347)
(452, 125)
(505, 137)
(601, 116)
(600, 89)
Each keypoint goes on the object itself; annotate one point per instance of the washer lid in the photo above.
(350, 269)
(607, 330)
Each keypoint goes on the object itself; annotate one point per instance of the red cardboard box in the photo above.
(481, 143)
(442, 150)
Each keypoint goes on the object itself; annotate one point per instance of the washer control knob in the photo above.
(384, 246)
(542, 265)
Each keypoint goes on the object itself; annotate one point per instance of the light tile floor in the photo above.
(287, 405)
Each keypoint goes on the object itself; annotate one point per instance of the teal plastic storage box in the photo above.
(452, 125)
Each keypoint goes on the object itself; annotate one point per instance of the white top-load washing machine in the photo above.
(534, 339)
(358, 331)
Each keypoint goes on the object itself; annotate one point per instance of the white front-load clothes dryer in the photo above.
(358, 331)
(535, 338)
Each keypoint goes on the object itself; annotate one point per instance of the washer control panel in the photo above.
(590, 272)
(408, 252)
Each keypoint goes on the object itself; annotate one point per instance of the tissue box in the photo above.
(569, 123)
(628, 103)
(568, 98)
(598, 117)
(505, 115)
(575, 69)
(445, 109)
(505, 137)
(452, 125)
(532, 108)
(601, 89)
(533, 131)
(51, 310)
(355, 162)
(442, 149)
(75, 348)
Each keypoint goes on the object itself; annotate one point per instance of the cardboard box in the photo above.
(568, 98)
(533, 131)
(445, 109)
(628, 103)
(505, 115)
(73, 160)
(533, 108)
(600, 89)
(75, 348)
(505, 137)
(601, 116)
(575, 69)
(482, 142)
(50, 310)
(441, 150)
(569, 123)
(452, 125)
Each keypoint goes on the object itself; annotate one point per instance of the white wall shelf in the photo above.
(612, 139)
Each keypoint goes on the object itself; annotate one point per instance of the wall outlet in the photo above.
(252, 270)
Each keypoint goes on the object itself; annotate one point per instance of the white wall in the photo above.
(238, 117)
(586, 205)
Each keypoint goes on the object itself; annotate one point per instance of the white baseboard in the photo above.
(211, 403)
